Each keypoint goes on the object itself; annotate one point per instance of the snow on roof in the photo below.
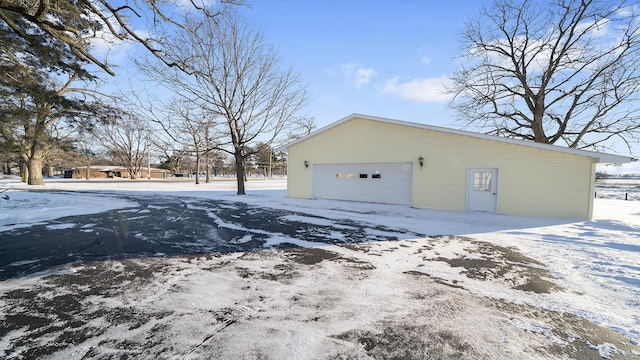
(598, 156)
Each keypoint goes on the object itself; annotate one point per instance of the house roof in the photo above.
(598, 156)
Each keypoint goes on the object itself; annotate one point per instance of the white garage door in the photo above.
(389, 183)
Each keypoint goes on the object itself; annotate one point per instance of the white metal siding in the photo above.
(389, 183)
(482, 190)
(533, 181)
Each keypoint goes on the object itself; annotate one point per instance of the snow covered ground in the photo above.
(481, 285)
(618, 188)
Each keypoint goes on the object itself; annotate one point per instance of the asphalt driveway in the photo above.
(165, 226)
(190, 278)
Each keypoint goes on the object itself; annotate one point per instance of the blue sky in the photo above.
(381, 58)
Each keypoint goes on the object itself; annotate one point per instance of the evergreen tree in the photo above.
(39, 106)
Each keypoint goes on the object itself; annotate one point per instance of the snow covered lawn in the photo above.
(472, 285)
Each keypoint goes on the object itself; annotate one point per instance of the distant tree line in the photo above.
(605, 175)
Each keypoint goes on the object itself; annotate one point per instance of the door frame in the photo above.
(495, 183)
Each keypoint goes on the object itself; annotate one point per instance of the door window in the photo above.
(482, 180)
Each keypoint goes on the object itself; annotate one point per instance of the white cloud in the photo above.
(425, 60)
(106, 46)
(421, 90)
(348, 69)
(363, 76)
(359, 75)
(190, 5)
(621, 169)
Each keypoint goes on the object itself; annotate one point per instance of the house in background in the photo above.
(108, 172)
(372, 159)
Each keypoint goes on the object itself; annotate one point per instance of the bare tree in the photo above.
(561, 71)
(192, 128)
(217, 163)
(63, 147)
(127, 139)
(85, 151)
(233, 73)
(301, 127)
(172, 158)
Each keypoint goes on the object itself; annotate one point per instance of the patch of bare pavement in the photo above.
(290, 303)
(360, 300)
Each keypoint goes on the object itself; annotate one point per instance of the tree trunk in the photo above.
(207, 178)
(35, 150)
(537, 126)
(197, 167)
(24, 172)
(34, 165)
(240, 172)
(131, 168)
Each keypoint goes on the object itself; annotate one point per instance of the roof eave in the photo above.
(613, 159)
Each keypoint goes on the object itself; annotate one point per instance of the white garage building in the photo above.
(372, 159)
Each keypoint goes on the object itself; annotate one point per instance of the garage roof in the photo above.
(598, 156)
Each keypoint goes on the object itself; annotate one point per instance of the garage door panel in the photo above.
(389, 183)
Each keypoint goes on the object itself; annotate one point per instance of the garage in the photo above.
(372, 159)
(388, 183)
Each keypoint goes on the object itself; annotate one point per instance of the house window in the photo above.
(339, 175)
(351, 175)
(482, 181)
(364, 176)
(375, 176)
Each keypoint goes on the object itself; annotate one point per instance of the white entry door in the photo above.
(482, 190)
(388, 183)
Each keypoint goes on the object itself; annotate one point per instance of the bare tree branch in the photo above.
(233, 74)
(75, 22)
(566, 71)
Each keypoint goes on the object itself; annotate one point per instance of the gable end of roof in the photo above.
(597, 156)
